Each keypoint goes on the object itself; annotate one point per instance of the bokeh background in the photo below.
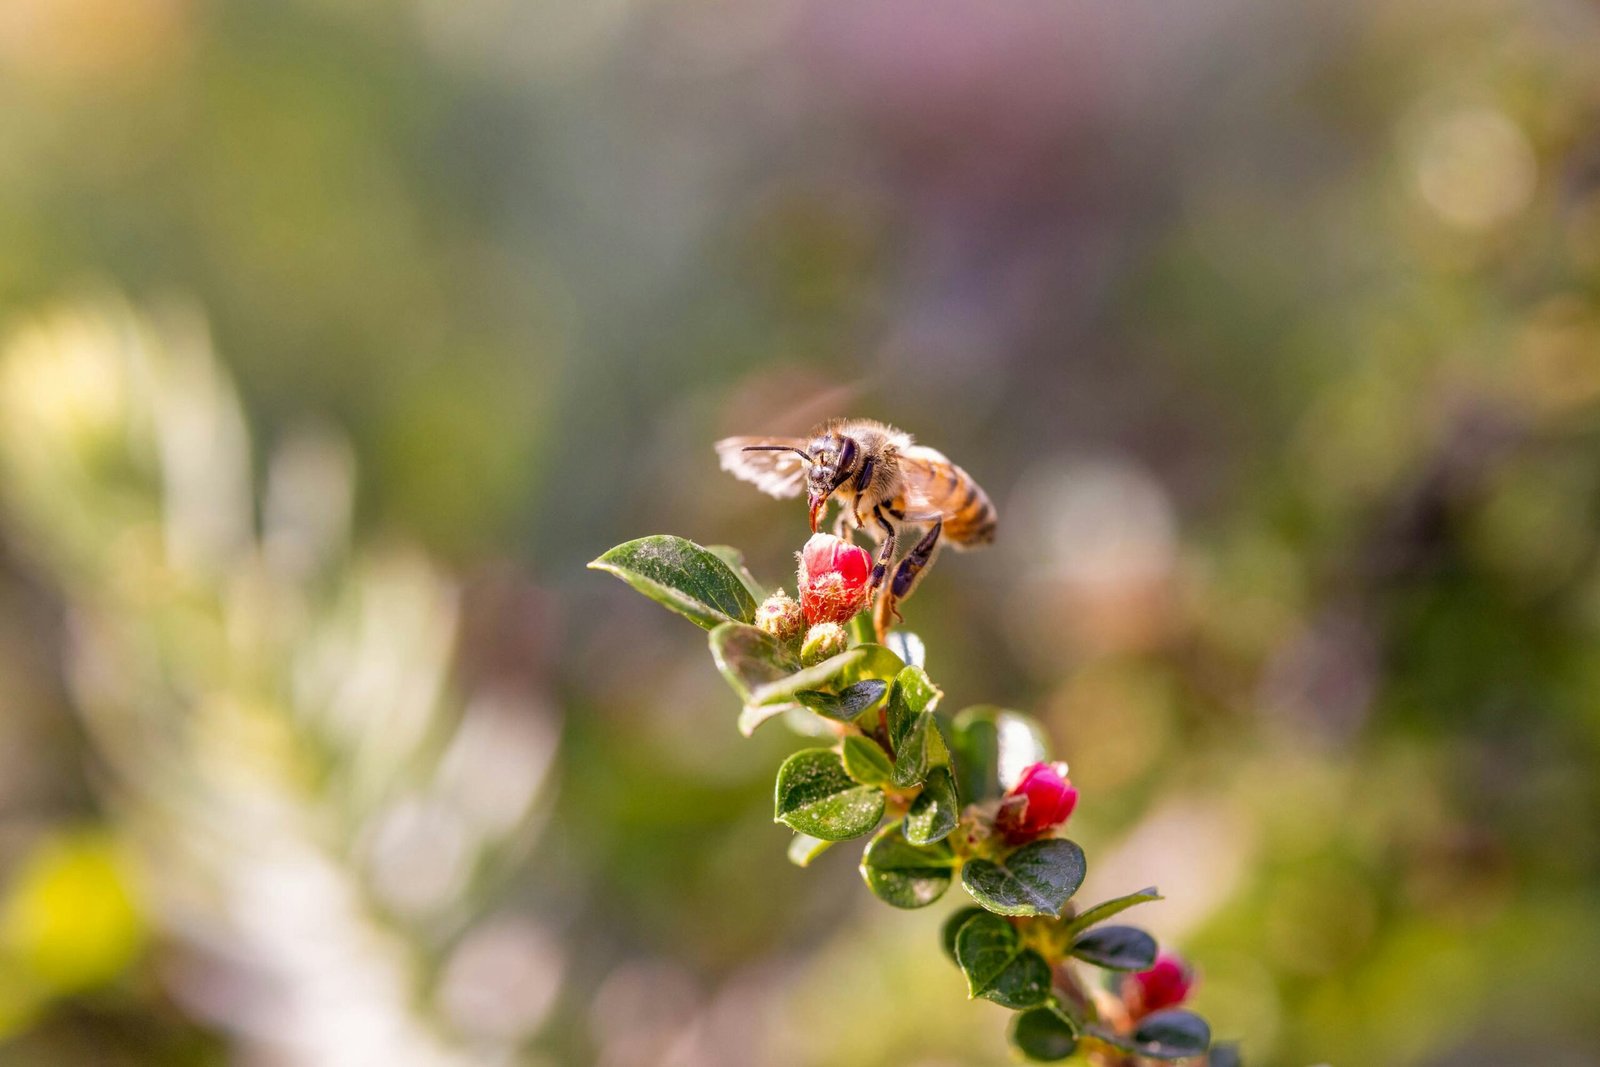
(342, 333)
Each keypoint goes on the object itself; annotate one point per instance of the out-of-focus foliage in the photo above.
(323, 828)
(1272, 329)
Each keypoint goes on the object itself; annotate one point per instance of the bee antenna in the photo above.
(802, 453)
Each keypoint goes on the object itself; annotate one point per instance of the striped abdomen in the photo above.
(969, 516)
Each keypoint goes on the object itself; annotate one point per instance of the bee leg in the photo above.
(907, 575)
(886, 551)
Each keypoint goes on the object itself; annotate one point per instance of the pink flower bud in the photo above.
(1041, 799)
(1166, 985)
(833, 579)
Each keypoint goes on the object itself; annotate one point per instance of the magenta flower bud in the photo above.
(781, 617)
(833, 576)
(1166, 985)
(1041, 799)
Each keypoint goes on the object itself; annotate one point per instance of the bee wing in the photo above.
(923, 470)
(776, 473)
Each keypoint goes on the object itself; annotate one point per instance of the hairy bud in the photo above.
(781, 617)
(833, 576)
(823, 641)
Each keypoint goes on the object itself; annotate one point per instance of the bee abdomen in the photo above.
(973, 520)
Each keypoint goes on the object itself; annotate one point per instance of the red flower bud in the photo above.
(833, 579)
(1041, 799)
(1166, 985)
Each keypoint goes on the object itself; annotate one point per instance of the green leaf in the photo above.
(1117, 948)
(912, 694)
(682, 576)
(906, 875)
(876, 662)
(952, 927)
(785, 690)
(1166, 1035)
(735, 562)
(815, 796)
(1105, 910)
(1044, 1034)
(935, 811)
(998, 966)
(865, 760)
(804, 848)
(749, 658)
(846, 704)
(992, 747)
(913, 733)
(918, 751)
(1172, 1035)
(1037, 879)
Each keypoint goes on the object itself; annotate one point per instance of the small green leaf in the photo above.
(998, 966)
(784, 690)
(1044, 1034)
(804, 848)
(906, 875)
(865, 760)
(935, 811)
(911, 695)
(1117, 948)
(915, 737)
(749, 658)
(846, 704)
(815, 796)
(1037, 879)
(735, 561)
(876, 662)
(919, 750)
(1105, 910)
(1172, 1035)
(952, 927)
(992, 747)
(682, 576)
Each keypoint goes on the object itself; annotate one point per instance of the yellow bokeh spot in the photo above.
(69, 921)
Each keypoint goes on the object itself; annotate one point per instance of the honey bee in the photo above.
(886, 484)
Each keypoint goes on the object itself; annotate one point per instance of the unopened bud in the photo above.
(1041, 800)
(834, 577)
(823, 641)
(781, 617)
(1166, 985)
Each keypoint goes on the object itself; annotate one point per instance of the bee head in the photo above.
(833, 461)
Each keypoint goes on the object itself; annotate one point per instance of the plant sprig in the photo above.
(973, 808)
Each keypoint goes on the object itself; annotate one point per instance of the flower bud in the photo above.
(781, 617)
(1041, 799)
(1166, 985)
(823, 641)
(833, 576)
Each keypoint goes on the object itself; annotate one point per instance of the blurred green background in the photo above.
(1273, 330)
